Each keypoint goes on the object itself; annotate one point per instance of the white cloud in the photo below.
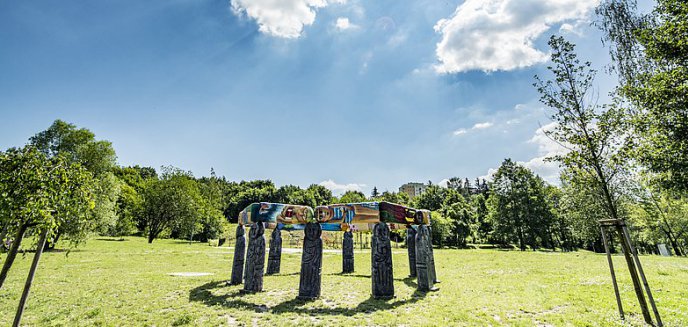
(492, 35)
(339, 189)
(548, 170)
(477, 126)
(343, 24)
(281, 18)
(482, 125)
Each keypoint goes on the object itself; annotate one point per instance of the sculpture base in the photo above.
(228, 283)
(307, 298)
(242, 291)
(386, 297)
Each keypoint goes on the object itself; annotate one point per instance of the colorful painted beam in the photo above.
(336, 217)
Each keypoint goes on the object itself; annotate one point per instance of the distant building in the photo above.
(413, 189)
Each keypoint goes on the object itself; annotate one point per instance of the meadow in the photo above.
(110, 282)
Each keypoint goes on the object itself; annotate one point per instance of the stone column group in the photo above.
(250, 267)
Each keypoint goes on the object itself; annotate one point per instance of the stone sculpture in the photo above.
(255, 259)
(239, 255)
(311, 263)
(431, 260)
(411, 247)
(425, 281)
(348, 253)
(275, 255)
(382, 272)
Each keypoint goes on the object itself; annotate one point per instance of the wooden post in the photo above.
(239, 257)
(29, 279)
(411, 249)
(311, 263)
(275, 255)
(611, 269)
(255, 259)
(348, 253)
(634, 252)
(381, 263)
(634, 275)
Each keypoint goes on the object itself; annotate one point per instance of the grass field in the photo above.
(126, 283)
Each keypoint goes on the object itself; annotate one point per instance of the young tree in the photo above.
(593, 134)
(39, 194)
(79, 145)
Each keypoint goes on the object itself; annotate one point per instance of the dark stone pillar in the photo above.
(431, 262)
(275, 256)
(411, 247)
(425, 281)
(239, 255)
(382, 273)
(255, 259)
(348, 253)
(311, 263)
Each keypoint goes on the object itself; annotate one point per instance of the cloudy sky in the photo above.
(348, 93)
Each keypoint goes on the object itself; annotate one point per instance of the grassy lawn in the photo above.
(116, 283)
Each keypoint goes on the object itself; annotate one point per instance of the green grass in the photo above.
(126, 283)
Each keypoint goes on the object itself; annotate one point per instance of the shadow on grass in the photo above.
(204, 294)
(111, 239)
(354, 275)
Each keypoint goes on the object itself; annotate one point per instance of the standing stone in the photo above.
(425, 282)
(239, 255)
(348, 252)
(382, 273)
(255, 259)
(431, 262)
(311, 263)
(411, 247)
(275, 255)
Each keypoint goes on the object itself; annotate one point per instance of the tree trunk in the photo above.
(50, 244)
(12, 254)
(3, 234)
(29, 279)
(520, 239)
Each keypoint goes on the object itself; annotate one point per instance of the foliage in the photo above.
(172, 201)
(431, 199)
(352, 197)
(79, 146)
(594, 135)
(651, 54)
(518, 208)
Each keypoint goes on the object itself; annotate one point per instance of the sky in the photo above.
(349, 94)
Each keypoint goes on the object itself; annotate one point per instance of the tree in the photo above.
(40, 194)
(517, 207)
(375, 193)
(352, 197)
(431, 199)
(172, 201)
(78, 145)
(594, 135)
(651, 56)
(483, 226)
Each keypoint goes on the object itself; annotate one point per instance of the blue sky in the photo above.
(351, 94)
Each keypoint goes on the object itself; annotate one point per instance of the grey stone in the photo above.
(275, 255)
(411, 247)
(311, 263)
(348, 252)
(239, 255)
(255, 259)
(381, 263)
